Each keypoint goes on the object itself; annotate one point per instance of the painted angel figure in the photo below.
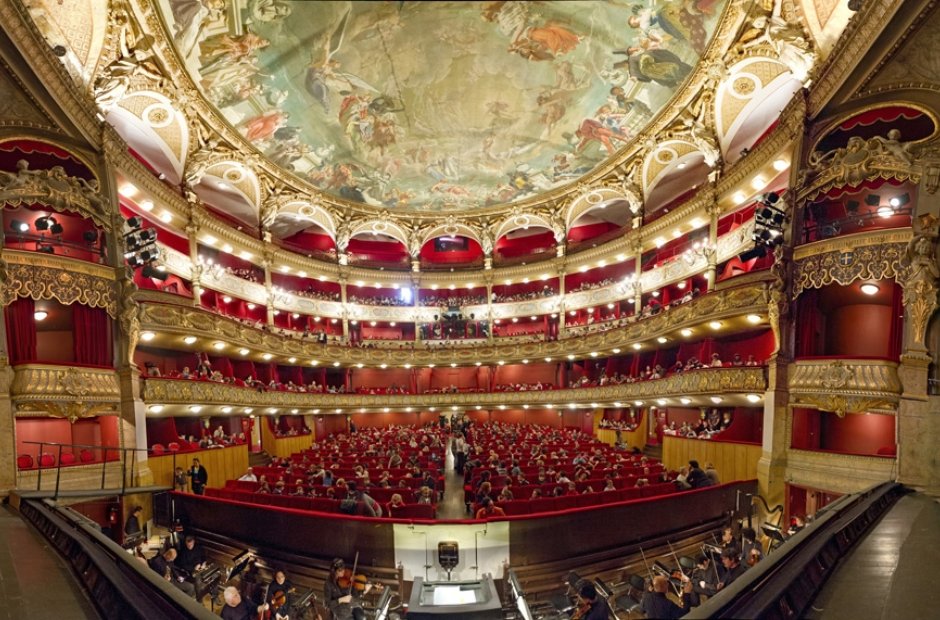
(324, 77)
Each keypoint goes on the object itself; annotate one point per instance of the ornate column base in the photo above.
(918, 426)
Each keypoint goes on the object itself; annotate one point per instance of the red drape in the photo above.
(21, 330)
(808, 323)
(91, 334)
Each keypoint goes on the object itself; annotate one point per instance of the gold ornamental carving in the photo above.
(919, 279)
(64, 391)
(41, 276)
(842, 386)
(846, 265)
(695, 383)
(55, 189)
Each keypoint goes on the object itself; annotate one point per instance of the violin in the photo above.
(352, 583)
(584, 606)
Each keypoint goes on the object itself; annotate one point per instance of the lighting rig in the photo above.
(769, 220)
(142, 250)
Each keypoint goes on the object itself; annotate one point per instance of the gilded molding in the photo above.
(185, 320)
(45, 276)
(919, 280)
(845, 386)
(55, 189)
(64, 391)
(850, 258)
(839, 473)
(703, 382)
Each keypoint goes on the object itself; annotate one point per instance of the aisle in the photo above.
(452, 507)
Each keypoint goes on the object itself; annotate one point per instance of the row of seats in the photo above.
(47, 459)
(567, 502)
(316, 504)
(379, 494)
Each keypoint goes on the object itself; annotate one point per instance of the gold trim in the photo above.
(845, 386)
(41, 276)
(850, 262)
(64, 391)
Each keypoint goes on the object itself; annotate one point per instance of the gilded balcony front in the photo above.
(64, 391)
(845, 385)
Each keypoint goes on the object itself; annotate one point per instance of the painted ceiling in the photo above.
(440, 106)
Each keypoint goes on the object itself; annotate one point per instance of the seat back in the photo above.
(47, 460)
(158, 448)
(67, 459)
(24, 461)
(86, 456)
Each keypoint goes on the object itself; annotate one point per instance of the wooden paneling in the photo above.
(733, 461)
(634, 439)
(221, 464)
(282, 446)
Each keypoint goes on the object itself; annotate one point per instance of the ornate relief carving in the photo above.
(41, 276)
(919, 280)
(848, 264)
(703, 382)
(129, 315)
(65, 392)
(55, 189)
(845, 386)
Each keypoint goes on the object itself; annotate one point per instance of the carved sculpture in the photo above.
(919, 281)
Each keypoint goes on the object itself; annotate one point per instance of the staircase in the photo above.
(257, 459)
(654, 451)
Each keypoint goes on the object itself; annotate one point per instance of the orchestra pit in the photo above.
(469, 310)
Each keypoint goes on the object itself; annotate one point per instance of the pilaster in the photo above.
(133, 422)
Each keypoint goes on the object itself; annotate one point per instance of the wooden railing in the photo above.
(221, 464)
(732, 460)
(283, 446)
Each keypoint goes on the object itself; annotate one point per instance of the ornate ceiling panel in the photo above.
(443, 105)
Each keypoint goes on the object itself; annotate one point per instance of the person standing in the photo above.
(199, 477)
(132, 525)
(460, 453)
(179, 480)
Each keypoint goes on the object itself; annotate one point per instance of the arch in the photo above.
(518, 220)
(314, 213)
(749, 101)
(891, 113)
(450, 229)
(668, 157)
(155, 129)
(598, 198)
(379, 227)
(239, 177)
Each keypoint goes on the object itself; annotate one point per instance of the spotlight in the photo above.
(18, 226)
(90, 236)
(900, 201)
(134, 223)
(56, 228)
(42, 223)
(873, 200)
(151, 272)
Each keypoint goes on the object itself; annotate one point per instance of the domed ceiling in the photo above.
(440, 106)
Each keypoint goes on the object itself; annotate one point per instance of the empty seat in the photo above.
(67, 459)
(24, 461)
(47, 460)
(173, 446)
(86, 456)
(158, 449)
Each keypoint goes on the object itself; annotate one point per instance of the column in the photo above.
(561, 303)
(342, 298)
(711, 252)
(637, 288)
(266, 262)
(192, 229)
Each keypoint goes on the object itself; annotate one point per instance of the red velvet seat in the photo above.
(542, 504)
(67, 459)
(173, 446)
(47, 460)
(515, 507)
(566, 502)
(86, 456)
(24, 461)
(158, 449)
(415, 511)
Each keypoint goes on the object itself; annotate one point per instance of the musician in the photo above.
(731, 560)
(132, 525)
(343, 603)
(656, 605)
(279, 594)
(704, 576)
(163, 564)
(752, 551)
(237, 609)
(191, 557)
(590, 606)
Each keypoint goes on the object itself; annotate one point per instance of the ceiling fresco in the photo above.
(440, 106)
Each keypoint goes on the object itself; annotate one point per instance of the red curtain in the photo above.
(91, 334)
(807, 324)
(21, 330)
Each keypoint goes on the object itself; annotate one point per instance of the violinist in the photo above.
(279, 596)
(342, 592)
(656, 605)
(590, 606)
(236, 608)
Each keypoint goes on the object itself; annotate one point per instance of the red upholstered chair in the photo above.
(515, 507)
(47, 460)
(173, 446)
(566, 502)
(67, 459)
(158, 449)
(86, 456)
(24, 461)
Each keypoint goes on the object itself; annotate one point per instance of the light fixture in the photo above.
(271, 410)
(127, 189)
(681, 285)
(314, 362)
(249, 409)
(40, 315)
(146, 205)
(226, 299)
(685, 401)
(190, 339)
(638, 403)
(593, 353)
(294, 411)
(267, 356)
(739, 197)
(285, 268)
(291, 360)
(655, 293)
(754, 398)
(166, 217)
(385, 409)
(615, 351)
(335, 364)
(453, 364)
(716, 399)
(548, 359)
(195, 408)
(715, 324)
(218, 346)
(431, 365)
(662, 340)
(869, 288)
(245, 255)
(753, 318)
(637, 346)
(243, 351)
(156, 408)
(502, 362)
(383, 366)
(781, 164)
(228, 249)
(686, 332)
(147, 336)
(661, 401)
(252, 306)
(758, 182)
(886, 212)
(406, 366)
(570, 356)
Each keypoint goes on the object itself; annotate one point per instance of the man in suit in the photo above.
(199, 477)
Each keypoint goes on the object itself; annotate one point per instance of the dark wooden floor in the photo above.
(893, 572)
(35, 584)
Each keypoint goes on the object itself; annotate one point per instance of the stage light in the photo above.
(56, 228)
(90, 236)
(900, 201)
(754, 398)
(42, 223)
(870, 289)
(873, 200)
(18, 226)
(40, 315)
(147, 336)
(190, 339)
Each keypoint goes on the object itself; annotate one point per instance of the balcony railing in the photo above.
(64, 391)
(845, 385)
(186, 320)
(705, 382)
